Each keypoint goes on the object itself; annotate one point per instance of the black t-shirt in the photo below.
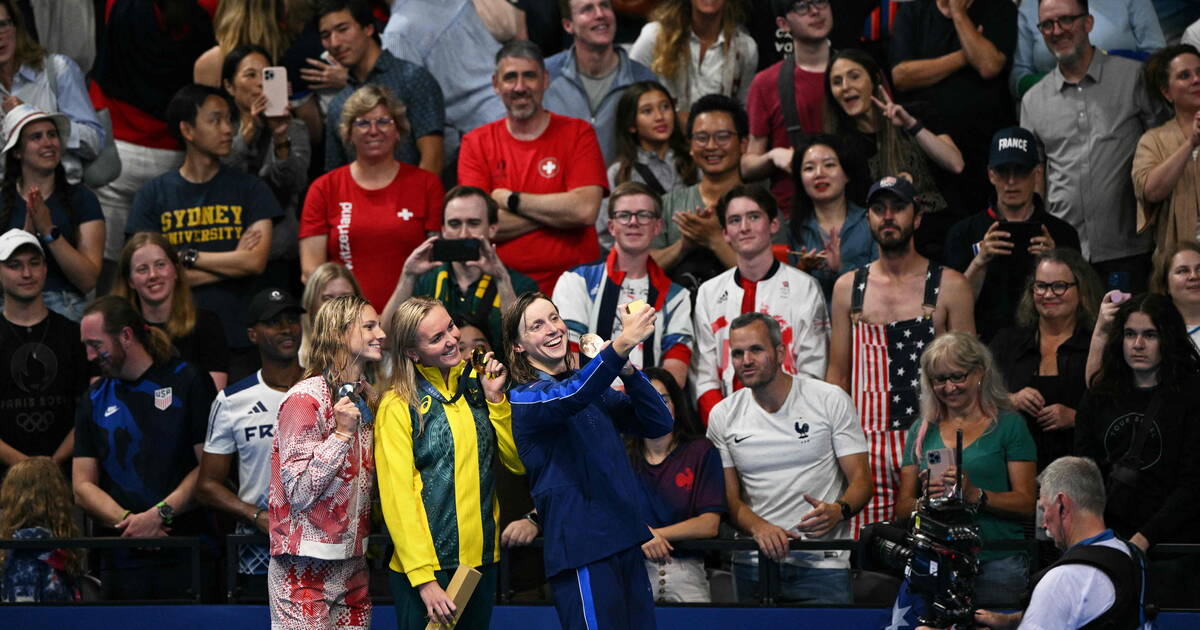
(43, 370)
(205, 346)
(142, 432)
(1004, 282)
(974, 107)
(1167, 503)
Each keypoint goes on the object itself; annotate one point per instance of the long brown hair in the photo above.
(28, 51)
(671, 54)
(182, 319)
(888, 137)
(119, 314)
(627, 141)
(333, 322)
(35, 494)
(402, 329)
(519, 367)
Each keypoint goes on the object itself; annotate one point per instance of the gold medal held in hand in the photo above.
(479, 358)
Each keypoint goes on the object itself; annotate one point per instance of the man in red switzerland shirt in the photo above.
(545, 171)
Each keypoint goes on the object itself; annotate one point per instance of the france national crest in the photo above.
(162, 398)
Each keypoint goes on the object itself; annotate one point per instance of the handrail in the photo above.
(768, 569)
(192, 543)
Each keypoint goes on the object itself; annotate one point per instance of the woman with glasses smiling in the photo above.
(961, 390)
(1044, 357)
(375, 209)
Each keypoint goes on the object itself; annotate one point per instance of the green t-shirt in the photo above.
(986, 462)
(440, 284)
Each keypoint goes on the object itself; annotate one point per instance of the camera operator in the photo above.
(1071, 593)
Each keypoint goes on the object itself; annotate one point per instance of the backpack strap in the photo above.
(787, 101)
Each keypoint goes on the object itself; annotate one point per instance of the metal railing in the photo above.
(768, 570)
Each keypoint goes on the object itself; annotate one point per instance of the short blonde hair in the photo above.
(363, 100)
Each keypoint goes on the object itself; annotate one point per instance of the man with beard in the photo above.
(138, 435)
(241, 425)
(795, 466)
(799, 81)
(1090, 112)
(758, 283)
(44, 369)
(883, 315)
(545, 171)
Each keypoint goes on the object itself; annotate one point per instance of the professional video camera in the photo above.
(937, 553)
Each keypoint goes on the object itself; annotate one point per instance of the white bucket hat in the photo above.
(23, 114)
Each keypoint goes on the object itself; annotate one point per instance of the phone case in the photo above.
(275, 86)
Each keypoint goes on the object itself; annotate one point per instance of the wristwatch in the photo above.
(188, 257)
(847, 513)
(165, 512)
(983, 499)
(46, 239)
(532, 517)
(514, 203)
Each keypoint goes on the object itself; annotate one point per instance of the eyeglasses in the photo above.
(802, 6)
(383, 122)
(1057, 288)
(1064, 22)
(625, 217)
(723, 138)
(6, 25)
(958, 378)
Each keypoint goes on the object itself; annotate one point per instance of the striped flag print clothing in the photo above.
(314, 594)
(886, 383)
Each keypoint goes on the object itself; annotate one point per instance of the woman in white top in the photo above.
(698, 47)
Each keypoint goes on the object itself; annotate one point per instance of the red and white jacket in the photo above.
(787, 294)
(320, 494)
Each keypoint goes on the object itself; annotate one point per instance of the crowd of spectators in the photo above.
(982, 216)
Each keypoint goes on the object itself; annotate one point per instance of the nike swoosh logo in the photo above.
(738, 440)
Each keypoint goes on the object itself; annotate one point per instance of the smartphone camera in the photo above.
(935, 457)
(268, 75)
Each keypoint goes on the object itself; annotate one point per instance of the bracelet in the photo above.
(914, 129)
(125, 515)
(257, 513)
(348, 436)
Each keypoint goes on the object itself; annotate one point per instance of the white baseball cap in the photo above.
(15, 238)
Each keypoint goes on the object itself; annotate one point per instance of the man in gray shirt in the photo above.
(587, 78)
(1089, 112)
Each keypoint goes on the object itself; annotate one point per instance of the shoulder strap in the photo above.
(484, 306)
(933, 282)
(51, 76)
(858, 291)
(1126, 577)
(648, 176)
(787, 101)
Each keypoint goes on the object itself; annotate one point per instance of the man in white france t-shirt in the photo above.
(795, 464)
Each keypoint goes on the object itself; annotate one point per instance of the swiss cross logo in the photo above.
(548, 167)
(404, 214)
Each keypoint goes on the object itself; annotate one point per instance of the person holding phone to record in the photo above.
(995, 249)
(460, 266)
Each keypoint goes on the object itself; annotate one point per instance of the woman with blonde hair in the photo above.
(374, 209)
(698, 47)
(322, 470)
(151, 277)
(329, 280)
(444, 421)
(961, 390)
(239, 22)
(35, 503)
